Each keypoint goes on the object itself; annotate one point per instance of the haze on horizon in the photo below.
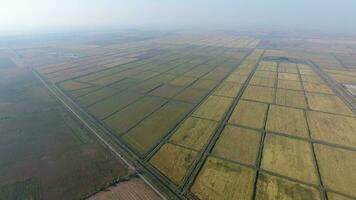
(30, 16)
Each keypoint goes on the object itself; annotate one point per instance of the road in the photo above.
(106, 143)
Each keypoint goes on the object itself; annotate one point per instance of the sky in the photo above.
(21, 16)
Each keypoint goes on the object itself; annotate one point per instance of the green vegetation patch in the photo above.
(128, 117)
(167, 91)
(108, 106)
(27, 189)
(191, 95)
(151, 130)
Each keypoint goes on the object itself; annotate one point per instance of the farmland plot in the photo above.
(219, 179)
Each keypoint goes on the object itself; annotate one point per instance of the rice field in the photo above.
(212, 122)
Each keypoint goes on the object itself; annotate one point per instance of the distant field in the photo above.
(216, 117)
(6, 63)
(45, 153)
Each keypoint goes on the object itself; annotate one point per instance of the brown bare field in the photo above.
(291, 98)
(213, 108)
(332, 128)
(286, 156)
(258, 93)
(337, 168)
(287, 120)
(328, 103)
(275, 188)
(238, 144)
(249, 113)
(173, 161)
(134, 189)
(194, 133)
(219, 179)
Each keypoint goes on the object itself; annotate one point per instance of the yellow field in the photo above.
(213, 108)
(194, 133)
(317, 87)
(249, 113)
(337, 168)
(258, 93)
(290, 98)
(288, 76)
(236, 78)
(288, 68)
(228, 89)
(173, 161)
(327, 103)
(265, 74)
(263, 67)
(219, 179)
(287, 120)
(238, 144)
(332, 128)
(343, 78)
(334, 196)
(274, 188)
(311, 78)
(266, 82)
(289, 157)
(286, 84)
